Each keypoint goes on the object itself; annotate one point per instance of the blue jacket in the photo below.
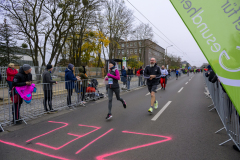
(124, 75)
(69, 78)
(177, 72)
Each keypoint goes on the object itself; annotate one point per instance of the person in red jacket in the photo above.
(11, 72)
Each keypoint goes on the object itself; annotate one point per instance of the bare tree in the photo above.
(118, 20)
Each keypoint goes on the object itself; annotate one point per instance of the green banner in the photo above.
(215, 26)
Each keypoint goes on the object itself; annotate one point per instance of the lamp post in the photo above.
(166, 55)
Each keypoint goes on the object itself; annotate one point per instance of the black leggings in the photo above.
(47, 97)
(110, 96)
(70, 92)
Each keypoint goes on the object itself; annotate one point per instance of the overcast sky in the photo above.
(163, 15)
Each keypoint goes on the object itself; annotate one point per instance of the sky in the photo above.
(164, 17)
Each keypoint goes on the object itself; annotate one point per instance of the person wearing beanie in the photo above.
(23, 78)
(82, 87)
(69, 82)
(113, 86)
(47, 88)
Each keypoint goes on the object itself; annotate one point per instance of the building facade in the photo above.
(144, 49)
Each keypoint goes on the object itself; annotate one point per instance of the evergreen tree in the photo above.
(8, 48)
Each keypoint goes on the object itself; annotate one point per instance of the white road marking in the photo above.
(147, 94)
(161, 111)
(180, 90)
(186, 83)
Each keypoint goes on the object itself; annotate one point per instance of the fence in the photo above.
(226, 111)
(58, 73)
(59, 96)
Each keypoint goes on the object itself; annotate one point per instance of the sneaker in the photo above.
(109, 116)
(156, 105)
(164, 88)
(53, 110)
(150, 110)
(124, 104)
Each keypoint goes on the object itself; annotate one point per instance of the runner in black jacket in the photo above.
(152, 73)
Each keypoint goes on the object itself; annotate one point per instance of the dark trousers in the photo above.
(110, 96)
(47, 98)
(83, 92)
(16, 108)
(10, 85)
(70, 92)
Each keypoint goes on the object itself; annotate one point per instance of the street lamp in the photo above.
(166, 55)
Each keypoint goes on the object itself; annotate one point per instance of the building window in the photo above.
(127, 51)
(140, 43)
(119, 51)
(127, 44)
(140, 50)
(122, 45)
(135, 44)
(135, 51)
(122, 52)
(131, 44)
(131, 51)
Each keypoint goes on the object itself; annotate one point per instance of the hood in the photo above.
(21, 70)
(67, 70)
(81, 69)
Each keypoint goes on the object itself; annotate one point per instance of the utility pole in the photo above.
(166, 55)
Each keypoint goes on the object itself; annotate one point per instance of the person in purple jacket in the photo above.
(112, 77)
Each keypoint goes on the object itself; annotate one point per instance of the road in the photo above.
(183, 131)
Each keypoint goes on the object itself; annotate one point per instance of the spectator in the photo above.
(11, 72)
(144, 79)
(47, 88)
(23, 78)
(124, 77)
(0, 76)
(129, 77)
(82, 74)
(69, 82)
(140, 76)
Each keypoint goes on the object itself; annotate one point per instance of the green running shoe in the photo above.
(150, 110)
(156, 105)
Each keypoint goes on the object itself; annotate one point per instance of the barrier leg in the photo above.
(212, 109)
(225, 142)
(210, 105)
(220, 130)
(1, 128)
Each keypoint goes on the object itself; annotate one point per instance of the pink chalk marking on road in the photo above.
(66, 124)
(93, 141)
(78, 137)
(33, 150)
(101, 157)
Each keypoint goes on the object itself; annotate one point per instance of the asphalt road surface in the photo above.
(181, 128)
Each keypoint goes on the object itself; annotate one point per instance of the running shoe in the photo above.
(109, 116)
(124, 104)
(150, 110)
(156, 105)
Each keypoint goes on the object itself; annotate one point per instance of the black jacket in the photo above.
(47, 78)
(21, 78)
(155, 70)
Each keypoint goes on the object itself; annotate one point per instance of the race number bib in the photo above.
(110, 81)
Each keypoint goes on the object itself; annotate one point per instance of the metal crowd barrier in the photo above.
(226, 111)
(59, 97)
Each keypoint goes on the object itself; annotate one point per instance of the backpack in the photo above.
(138, 72)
